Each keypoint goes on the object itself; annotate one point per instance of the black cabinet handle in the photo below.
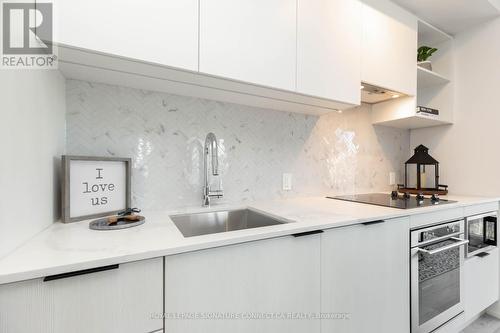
(307, 233)
(77, 273)
(483, 254)
(373, 222)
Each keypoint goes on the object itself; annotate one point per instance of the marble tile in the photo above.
(485, 324)
(164, 133)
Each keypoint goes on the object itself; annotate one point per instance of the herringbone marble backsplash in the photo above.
(164, 134)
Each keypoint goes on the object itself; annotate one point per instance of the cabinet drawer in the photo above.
(121, 300)
(420, 220)
(481, 208)
(481, 283)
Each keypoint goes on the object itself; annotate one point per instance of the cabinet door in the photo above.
(329, 49)
(249, 40)
(365, 276)
(389, 46)
(164, 32)
(481, 283)
(127, 299)
(245, 288)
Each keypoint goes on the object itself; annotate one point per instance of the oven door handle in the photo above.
(459, 242)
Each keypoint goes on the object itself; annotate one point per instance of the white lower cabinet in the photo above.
(266, 286)
(481, 283)
(356, 277)
(365, 275)
(481, 290)
(120, 300)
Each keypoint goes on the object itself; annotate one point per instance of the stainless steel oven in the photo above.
(481, 231)
(437, 272)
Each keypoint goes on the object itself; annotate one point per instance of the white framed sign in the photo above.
(94, 187)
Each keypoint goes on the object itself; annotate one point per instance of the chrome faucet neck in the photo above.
(211, 149)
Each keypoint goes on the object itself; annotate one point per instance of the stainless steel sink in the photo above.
(215, 222)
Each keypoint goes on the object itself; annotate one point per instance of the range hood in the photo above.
(371, 94)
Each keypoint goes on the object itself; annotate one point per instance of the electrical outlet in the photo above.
(287, 182)
(392, 178)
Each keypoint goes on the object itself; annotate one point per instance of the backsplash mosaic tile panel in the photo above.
(164, 134)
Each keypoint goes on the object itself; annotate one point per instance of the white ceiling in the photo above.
(453, 16)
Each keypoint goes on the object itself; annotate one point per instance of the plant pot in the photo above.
(425, 64)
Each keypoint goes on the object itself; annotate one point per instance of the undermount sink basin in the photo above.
(222, 221)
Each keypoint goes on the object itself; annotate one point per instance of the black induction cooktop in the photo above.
(383, 199)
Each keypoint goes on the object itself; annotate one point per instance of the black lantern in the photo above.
(422, 174)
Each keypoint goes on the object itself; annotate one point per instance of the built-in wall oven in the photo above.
(437, 272)
(481, 231)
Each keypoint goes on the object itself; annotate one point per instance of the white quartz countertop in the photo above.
(70, 247)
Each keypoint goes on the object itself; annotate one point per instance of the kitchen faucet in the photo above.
(211, 148)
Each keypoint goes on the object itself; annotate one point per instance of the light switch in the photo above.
(287, 182)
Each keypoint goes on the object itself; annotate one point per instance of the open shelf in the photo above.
(414, 122)
(435, 89)
(453, 16)
(427, 78)
(429, 35)
(401, 113)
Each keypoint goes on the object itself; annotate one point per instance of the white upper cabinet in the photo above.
(329, 49)
(292, 55)
(163, 32)
(389, 46)
(250, 40)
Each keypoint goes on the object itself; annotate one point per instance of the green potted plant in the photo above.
(424, 53)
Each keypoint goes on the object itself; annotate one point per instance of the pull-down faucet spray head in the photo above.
(215, 157)
(211, 150)
(212, 147)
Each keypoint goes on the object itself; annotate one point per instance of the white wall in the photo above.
(469, 150)
(32, 137)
